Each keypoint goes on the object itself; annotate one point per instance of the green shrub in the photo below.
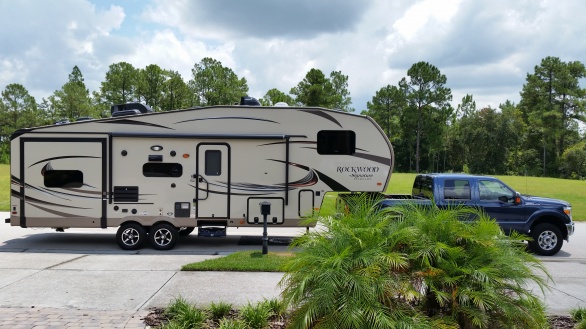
(231, 324)
(412, 267)
(220, 310)
(579, 315)
(184, 315)
(275, 306)
(256, 316)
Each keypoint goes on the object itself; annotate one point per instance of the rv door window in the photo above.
(336, 142)
(63, 178)
(213, 163)
(161, 169)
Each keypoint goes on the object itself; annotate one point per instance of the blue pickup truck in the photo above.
(547, 221)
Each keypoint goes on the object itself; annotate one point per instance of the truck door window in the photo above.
(456, 189)
(495, 191)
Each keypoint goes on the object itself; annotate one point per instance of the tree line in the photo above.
(540, 136)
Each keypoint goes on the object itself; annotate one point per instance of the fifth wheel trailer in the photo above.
(156, 176)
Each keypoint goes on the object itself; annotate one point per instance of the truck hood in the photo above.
(536, 200)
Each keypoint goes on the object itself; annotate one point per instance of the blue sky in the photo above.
(485, 48)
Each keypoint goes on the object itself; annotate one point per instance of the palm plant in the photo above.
(412, 267)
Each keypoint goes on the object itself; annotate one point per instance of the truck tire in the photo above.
(185, 231)
(163, 236)
(131, 236)
(547, 239)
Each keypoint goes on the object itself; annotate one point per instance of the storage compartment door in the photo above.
(306, 202)
(65, 183)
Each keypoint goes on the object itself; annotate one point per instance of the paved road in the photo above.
(81, 278)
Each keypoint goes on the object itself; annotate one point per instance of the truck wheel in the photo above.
(185, 231)
(163, 236)
(131, 236)
(547, 239)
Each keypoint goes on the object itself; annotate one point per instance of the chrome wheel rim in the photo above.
(547, 240)
(130, 237)
(163, 237)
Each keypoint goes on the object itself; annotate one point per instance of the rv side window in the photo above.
(160, 169)
(336, 142)
(63, 178)
(213, 163)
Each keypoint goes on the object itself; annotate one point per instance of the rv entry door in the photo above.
(212, 181)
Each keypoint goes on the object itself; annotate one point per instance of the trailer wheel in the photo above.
(163, 236)
(131, 236)
(185, 231)
(547, 239)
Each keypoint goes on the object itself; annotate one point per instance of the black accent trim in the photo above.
(64, 157)
(286, 172)
(110, 166)
(205, 136)
(324, 115)
(375, 158)
(221, 118)
(333, 184)
(135, 123)
(22, 187)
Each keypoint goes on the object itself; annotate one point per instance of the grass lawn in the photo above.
(4, 187)
(243, 261)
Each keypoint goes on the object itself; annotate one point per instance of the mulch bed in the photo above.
(156, 318)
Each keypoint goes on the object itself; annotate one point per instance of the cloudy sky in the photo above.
(484, 47)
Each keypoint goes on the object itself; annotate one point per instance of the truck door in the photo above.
(498, 202)
(65, 182)
(212, 181)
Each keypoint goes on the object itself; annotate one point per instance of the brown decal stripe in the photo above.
(54, 212)
(323, 115)
(65, 157)
(136, 123)
(229, 118)
(375, 158)
(34, 200)
(290, 142)
(332, 183)
(231, 193)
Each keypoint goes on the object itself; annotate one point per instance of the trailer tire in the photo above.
(163, 236)
(131, 236)
(185, 231)
(547, 239)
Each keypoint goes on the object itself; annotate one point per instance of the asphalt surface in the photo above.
(81, 278)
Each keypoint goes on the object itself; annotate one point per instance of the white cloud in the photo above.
(484, 48)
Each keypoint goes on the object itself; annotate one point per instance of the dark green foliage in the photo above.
(220, 309)
(412, 267)
(256, 316)
(184, 315)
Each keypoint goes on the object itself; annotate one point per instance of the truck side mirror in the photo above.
(517, 198)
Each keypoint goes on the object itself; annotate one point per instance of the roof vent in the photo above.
(129, 109)
(249, 101)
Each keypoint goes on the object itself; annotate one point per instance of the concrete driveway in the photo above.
(84, 269)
